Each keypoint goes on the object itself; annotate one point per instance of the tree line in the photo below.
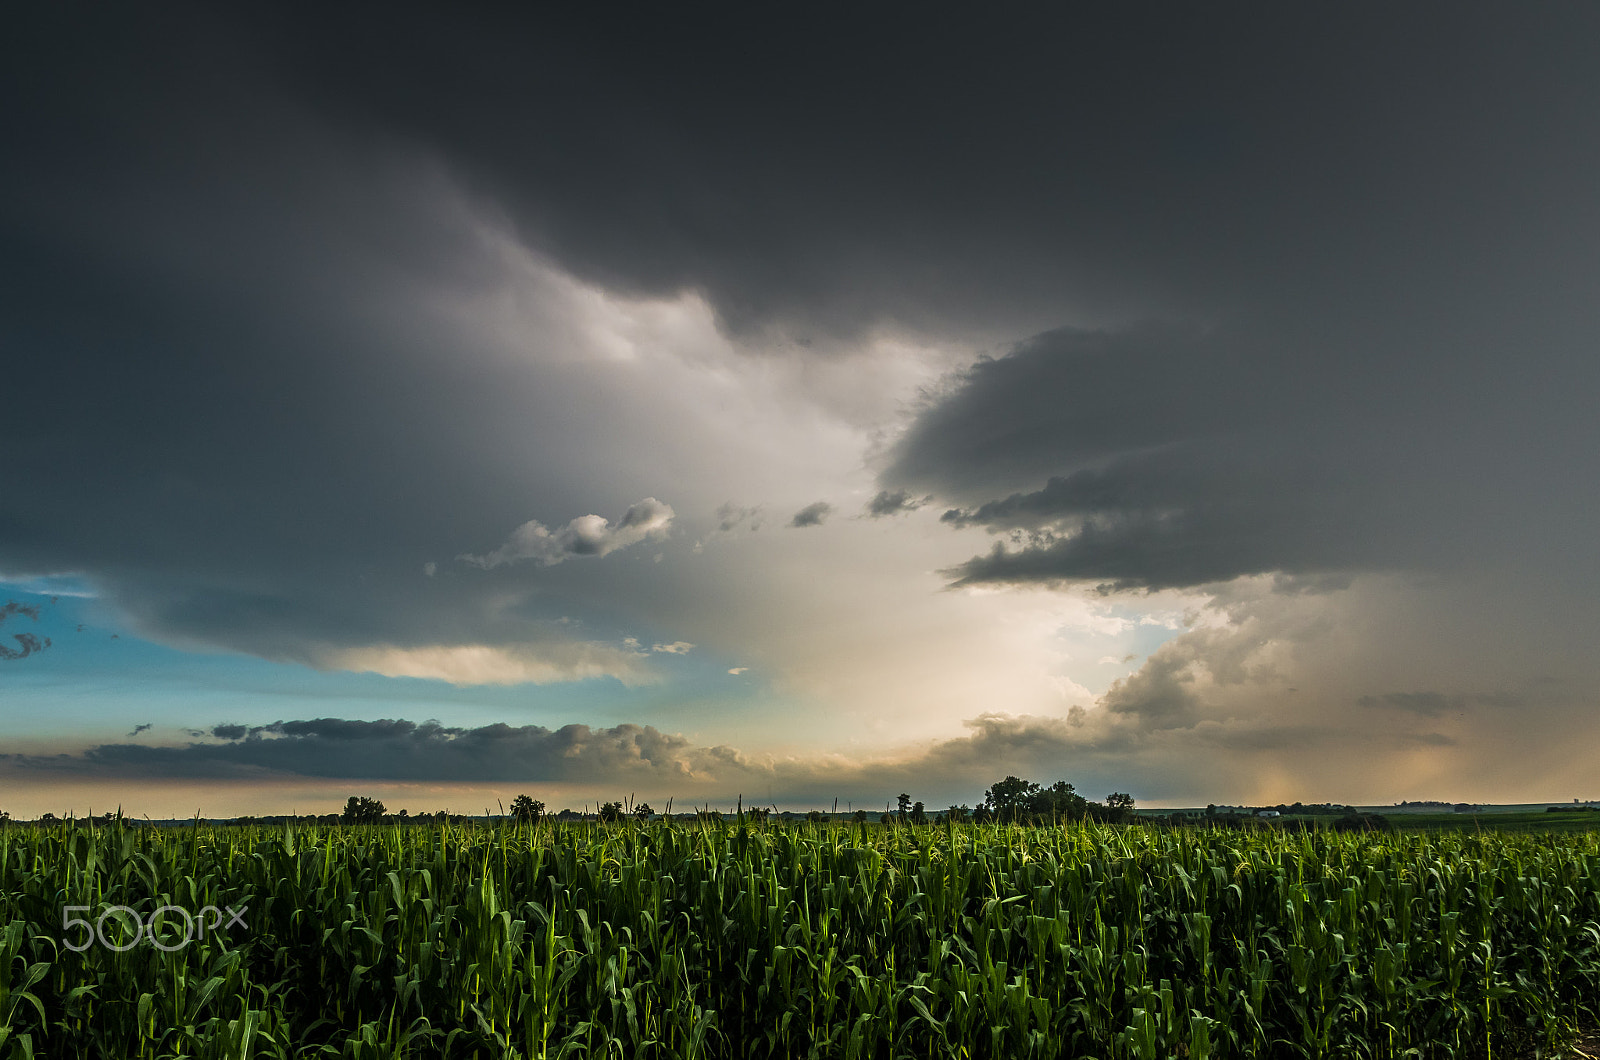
(1012, 800)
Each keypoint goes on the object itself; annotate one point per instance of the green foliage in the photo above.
(1058, 802)
(1362, 822)
(362, 810)
(1015, 800)
(526, 809)
(721, 940)
(1010, 799)
(1530, 822)
(611, 812)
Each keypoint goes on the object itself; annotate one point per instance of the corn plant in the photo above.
(733, 939)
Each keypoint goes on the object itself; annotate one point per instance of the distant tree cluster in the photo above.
(1015, 800)
(911, 812)
(1247, 819)
(1011, 800)
(362, 810)
(1292, 809)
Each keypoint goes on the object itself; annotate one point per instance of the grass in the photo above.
(831, 941)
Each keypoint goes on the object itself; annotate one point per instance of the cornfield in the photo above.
(723, 940)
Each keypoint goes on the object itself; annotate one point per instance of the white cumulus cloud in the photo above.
(587, 535)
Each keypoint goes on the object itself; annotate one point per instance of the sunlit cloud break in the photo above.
(485, 664)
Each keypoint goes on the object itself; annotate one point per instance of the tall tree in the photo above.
(1119, 806)
(362, 810)
(1011, 799)
(526, 809)
(1059, 802)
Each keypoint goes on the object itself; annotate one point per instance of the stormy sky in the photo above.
(798, 403)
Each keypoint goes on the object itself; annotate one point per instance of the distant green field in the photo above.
(1488, 819)
(1561, 821)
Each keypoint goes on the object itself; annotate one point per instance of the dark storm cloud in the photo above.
(231, 408)
(893, 502)
(396, 750)
(576, 755)
(1387, 377)
(814, 514)
(235, 406)
(827, 180)
(1177, 458)
(1013, 171)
